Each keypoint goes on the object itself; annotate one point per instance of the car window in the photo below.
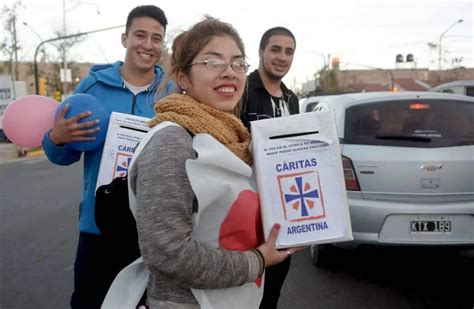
(310, 107)
(411, 123)
(470, 91)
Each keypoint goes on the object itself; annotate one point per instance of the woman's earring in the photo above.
(184, 91)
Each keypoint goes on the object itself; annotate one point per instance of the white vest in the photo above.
(218, 178)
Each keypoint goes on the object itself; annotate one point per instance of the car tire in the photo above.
(323, 256)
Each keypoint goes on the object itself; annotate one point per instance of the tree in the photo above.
(454, 62)
(54, 60)
(318, 78)
(433, 48)
(9, 45)
(57, 61)
(330, 82)
(165, 60)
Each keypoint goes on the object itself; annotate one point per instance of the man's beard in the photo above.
(272, 76)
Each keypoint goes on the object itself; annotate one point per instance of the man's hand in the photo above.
(70, 130)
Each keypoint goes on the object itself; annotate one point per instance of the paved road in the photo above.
(383, 278)
(38, 215)
(38, 234)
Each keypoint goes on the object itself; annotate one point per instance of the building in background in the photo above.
(376, 79)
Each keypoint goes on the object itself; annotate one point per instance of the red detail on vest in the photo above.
(242, 228)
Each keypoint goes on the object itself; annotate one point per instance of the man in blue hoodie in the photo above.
(129, 87)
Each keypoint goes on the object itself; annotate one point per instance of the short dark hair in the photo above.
(275, 31)
(151, 11)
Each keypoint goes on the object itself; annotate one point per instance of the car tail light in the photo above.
(419, 106)
(349, 175)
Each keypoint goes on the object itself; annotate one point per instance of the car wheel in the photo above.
(323, 255)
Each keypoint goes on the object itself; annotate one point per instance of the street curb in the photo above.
(35, 153)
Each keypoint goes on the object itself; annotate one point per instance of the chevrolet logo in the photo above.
(431, 167)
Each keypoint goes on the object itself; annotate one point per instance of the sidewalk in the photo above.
(33, 153)
(9, 152)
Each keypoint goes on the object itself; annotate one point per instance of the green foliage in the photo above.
(330, 82)
(3, 68)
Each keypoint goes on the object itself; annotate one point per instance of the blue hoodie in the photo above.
(105, 83)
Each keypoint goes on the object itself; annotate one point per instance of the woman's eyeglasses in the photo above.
(239, 66)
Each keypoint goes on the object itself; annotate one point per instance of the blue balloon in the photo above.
(79, 103)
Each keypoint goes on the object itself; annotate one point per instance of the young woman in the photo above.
(208, 64)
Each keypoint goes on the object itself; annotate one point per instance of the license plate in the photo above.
(430, 226)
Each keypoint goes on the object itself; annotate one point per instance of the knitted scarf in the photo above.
(198, 118)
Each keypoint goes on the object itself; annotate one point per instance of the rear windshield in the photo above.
(411, 123)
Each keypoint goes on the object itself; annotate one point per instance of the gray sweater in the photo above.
(165, 207)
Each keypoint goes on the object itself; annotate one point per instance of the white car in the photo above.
(408, 161)
(464, 87)
(308, 104)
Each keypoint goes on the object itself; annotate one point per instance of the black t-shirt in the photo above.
(280, 107)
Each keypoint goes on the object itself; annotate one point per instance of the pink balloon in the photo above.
(27, 119)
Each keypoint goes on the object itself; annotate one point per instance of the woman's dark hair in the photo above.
(189, 43)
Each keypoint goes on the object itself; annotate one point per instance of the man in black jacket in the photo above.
(268, 97)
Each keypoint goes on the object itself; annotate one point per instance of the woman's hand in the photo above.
(270, 254)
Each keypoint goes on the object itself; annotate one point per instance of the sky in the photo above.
(362, 34)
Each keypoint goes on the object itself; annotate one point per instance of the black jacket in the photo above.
(257, 104)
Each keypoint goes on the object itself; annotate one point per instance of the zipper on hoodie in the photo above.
(135, 97)
(134, 103)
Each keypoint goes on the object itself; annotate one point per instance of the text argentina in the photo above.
(309, 227)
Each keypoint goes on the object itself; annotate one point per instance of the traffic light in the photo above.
(57, 95)
(42, 86)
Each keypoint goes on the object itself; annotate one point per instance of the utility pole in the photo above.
(64, 51)
(15, 48)
(441, 38)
